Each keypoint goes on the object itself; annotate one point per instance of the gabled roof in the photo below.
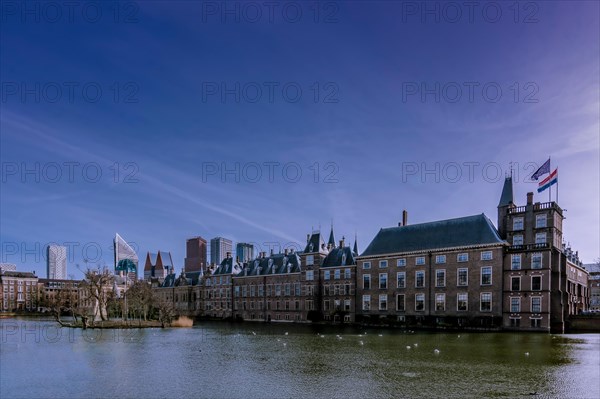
(339, 257)
(331, 238)
(451, 233)
(166, 259)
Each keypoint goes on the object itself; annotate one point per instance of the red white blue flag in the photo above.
(548, 181)
(545, 168)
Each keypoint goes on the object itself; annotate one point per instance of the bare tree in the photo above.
(166, 310)
(98, 287)
(140, 299)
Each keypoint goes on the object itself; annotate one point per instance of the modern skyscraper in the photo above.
(195, 254)
(244, 252)
(219, 247)
(126, 260)
(56, 262)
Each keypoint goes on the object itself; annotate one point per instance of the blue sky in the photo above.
(369, 94)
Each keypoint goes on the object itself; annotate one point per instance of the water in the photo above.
(220, 360)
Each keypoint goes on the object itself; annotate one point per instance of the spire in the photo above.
(355, 249)
(507, 192)
(331, 239)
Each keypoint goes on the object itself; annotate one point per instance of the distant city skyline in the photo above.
(385, 122)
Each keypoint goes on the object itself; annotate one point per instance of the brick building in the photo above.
(19, 291)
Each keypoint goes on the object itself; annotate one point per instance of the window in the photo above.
(462, 302)
(536, 304)
(440, 259)
(366, 302)
(244, 290)
(515, 305)
(540, 221)
(277, 289)
(347, 273)
(518, 239)
(400, 303)
(310, 275)
(310, 260)
(326, 275)
(382, 263)
(336, 274)
(326, 305)
(382, 302)
(485, 302)
(464, 257)
(440, 278)
(486, 255)
(440, 302)
(309, 304)
(401, 262)
(401, 279)
(536, 323)
(236, 291)
(419, 302)
(366, 265)
(515, 283)
(462, 277)
(367, 281)
(540, 238)
(252, 290)
(288, 289)
(515, 262)
(296, 289)
(486, 275)
(420, 260)
(347, 304)
(536, 283)
(420, 279)
(518, 224)
(383, 280)
(536, 261)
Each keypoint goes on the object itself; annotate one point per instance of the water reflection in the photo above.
(258, 360)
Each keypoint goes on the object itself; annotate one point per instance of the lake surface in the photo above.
(247, 360)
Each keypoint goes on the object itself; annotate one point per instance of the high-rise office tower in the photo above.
(126, 260)
(244, 251)
(195, 254)
(219, 247)
(56, 262)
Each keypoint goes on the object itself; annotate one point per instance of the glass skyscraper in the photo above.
(126, 260)
(56, 262)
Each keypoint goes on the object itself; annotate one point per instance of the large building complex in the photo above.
(219, 247)
(460, 272)
(56, 262)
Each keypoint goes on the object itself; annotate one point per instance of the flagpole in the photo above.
(550, 187)
(556, 186)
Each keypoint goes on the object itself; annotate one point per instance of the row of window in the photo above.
(541, 221)
(535, 303)
(536, 283)
(439, 259)
(336, 274)
(286, 305)
(540, 238)
(462, 302)
(516, 261)
(462, 278)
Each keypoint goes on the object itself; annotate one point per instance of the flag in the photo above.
(545, 168)
(548, 181)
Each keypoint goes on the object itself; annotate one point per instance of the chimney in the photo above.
(529, 198)
(285, 251)
(228, 255)
(307, 238)
(404, 217)
(342, 243)
(271, 251)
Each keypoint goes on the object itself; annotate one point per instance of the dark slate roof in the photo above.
(274, 264)
(316, 241)
(167, 261)
(331, 238)
(355, 249)
(228, 266)
(18, 274)
(460, 232)
(336, 257)
(169, 281)
(507, 192)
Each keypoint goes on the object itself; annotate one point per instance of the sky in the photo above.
(261, 123)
